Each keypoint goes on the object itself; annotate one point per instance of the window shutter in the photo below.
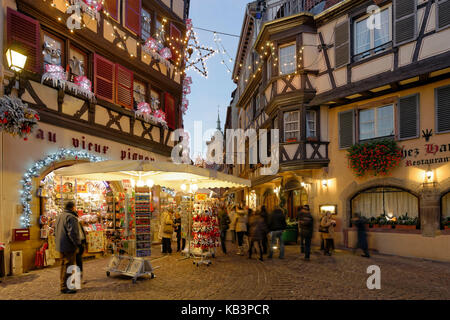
(104, 76)
(342, 44)
(443, 14)
(24, 32)
(405, 20)
(133, 15)
(408, 111)
(443, 109)
(346, 129)
(124, 92)
(169, 105)
(175, 33)
(112, 6)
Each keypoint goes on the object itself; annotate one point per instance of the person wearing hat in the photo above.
(306, 225)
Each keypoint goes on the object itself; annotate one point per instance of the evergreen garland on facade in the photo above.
(16, 117)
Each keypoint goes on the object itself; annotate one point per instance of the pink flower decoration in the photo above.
(83, 82)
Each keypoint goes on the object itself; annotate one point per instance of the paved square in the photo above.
(342, 276)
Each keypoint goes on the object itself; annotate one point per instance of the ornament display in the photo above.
(205, 227)
(35, 171)
(152, 48)
(77, 66)
(148, 114)
(51, 55)
(95, 5)
(187, 81)
(166, 53)
(58, 77)
(151, 45)
(16, 117)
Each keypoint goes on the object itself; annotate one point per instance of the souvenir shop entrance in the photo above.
(202, 224)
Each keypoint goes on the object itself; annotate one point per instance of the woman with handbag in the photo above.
(166, 231)
(327, 231)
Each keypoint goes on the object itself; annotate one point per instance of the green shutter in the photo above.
(408, 114)
(443, 109)
(342, 44)
(346, 129)
(405, 21)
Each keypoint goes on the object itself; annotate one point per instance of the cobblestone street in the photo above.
(342, 276)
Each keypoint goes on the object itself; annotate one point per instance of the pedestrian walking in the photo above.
(277, 224)
(232, 230)
(67, 241)
(166, 231)
(360, 222)
(224, 225)
(240, 226)
(177, 229)
(81, 248)
(257, 230)
(306, 225)
(265, 240)
(327, 230)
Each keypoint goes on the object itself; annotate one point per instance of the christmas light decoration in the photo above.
(35, 171)
(16, 117)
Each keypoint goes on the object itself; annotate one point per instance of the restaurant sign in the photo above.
(428, 154)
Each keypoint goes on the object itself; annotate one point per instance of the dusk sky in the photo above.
(208, 94)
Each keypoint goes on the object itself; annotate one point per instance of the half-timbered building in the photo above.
(69, 43)
(333, 74)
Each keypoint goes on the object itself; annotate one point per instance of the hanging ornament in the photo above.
(151, 45)
(166, 53)
(84, 83)
(196, 54)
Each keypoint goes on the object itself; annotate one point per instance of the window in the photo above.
(446, 206)
(146, 25)
(160, 33)
(376, 122)
(367, 39)
(292, 126)
(311, 129)
(288, 59)
(156, 99)
(77, 61)
(385, 200)
(53, 50)
(139, 93)
(269, 69)
(442, 109)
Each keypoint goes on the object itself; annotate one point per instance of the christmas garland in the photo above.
(378, 157)
(16, 117)
(35, 171)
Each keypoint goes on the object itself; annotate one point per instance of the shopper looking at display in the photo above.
(224, 223)
(166, 231)
(67, 240)
(240, 225)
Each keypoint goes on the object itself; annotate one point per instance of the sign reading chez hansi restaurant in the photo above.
(427, 154)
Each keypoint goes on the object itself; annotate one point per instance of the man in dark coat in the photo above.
(257, 230)
(224, 225)
(265, 240)
(67, 238)
(277, 224)
(306, 224)
(362, 235)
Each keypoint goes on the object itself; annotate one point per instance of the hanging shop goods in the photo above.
(16, 117)
(35, 170)
(378, 157)
(94, 202)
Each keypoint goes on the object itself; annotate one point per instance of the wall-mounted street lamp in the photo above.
(16, 62)
(325, 183)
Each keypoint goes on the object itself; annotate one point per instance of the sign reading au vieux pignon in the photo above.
(93, 145)
(426, 154)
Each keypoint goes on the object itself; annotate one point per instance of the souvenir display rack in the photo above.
(143, 221)
(135, 246)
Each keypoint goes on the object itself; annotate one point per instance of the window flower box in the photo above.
(291, 140)
(406, 227)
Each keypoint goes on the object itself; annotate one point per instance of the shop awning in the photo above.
(166, 174)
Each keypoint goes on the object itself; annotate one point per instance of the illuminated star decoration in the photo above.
(202, 53)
